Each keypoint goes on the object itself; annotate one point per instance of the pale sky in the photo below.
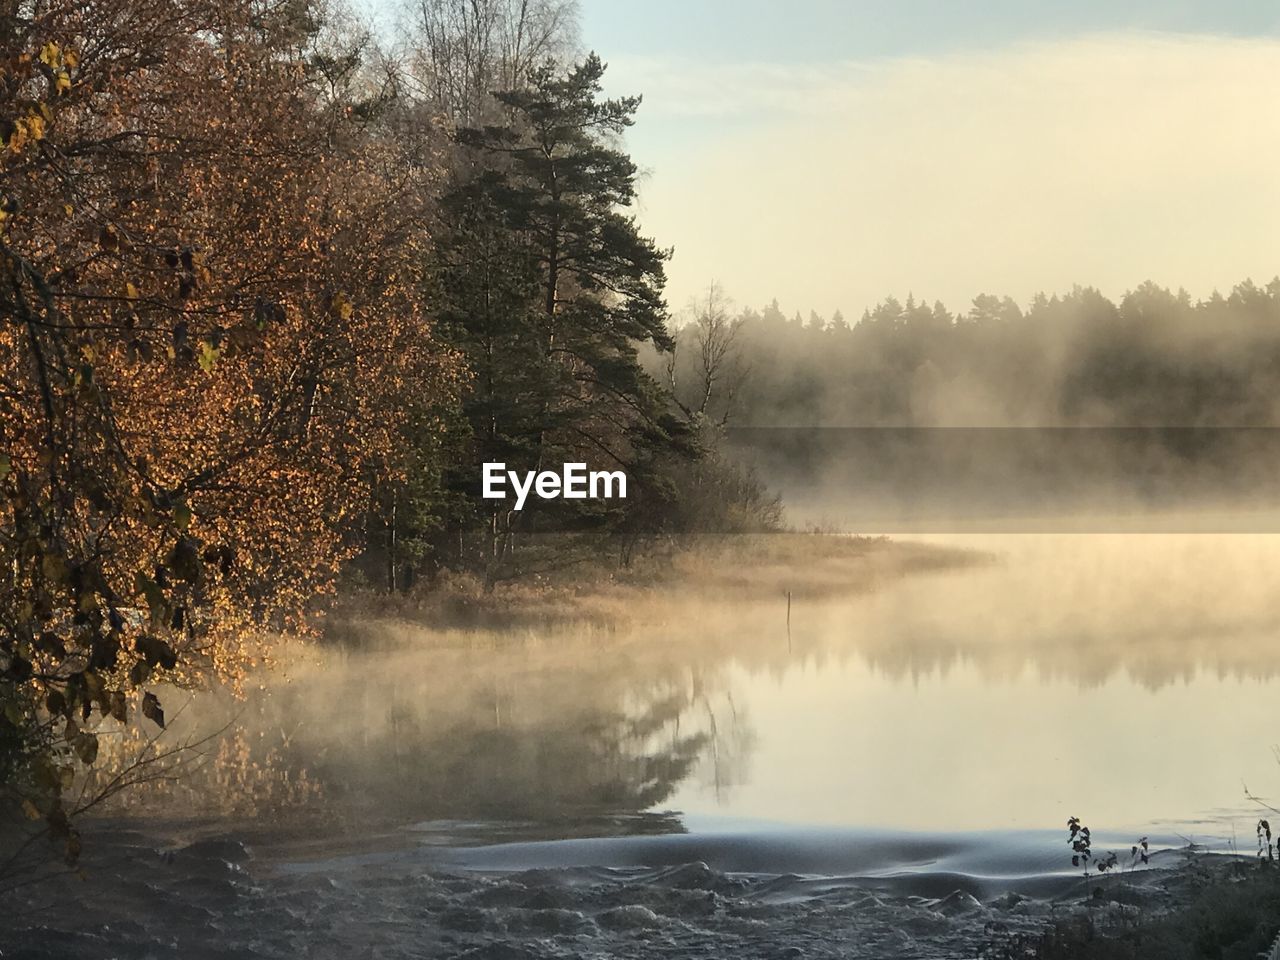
(830, 153)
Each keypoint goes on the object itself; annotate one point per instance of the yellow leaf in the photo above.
(18, 139)
(50, 54)
(30, 810)
(208, 356)
(35, 127)
(130, 291)
(68, 209)
(70, 59)
(342, 306)
(62, 83)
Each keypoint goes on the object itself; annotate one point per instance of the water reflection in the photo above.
(1130, 679)
(564, 729)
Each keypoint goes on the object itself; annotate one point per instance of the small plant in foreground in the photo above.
(1080, 839)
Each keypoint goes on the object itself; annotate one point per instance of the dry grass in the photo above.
(745, 567)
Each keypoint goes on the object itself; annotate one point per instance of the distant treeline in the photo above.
(1155, 358)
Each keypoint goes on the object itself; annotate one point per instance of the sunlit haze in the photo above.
(733, 479)
(910, 152)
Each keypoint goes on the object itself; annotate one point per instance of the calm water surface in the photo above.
(1132, 680)
(1129, 679)
(881, 777)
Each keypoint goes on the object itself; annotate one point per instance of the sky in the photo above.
(829, 153)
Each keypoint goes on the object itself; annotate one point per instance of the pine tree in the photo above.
(549, 287)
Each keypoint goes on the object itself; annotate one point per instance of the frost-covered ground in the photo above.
(224, 898)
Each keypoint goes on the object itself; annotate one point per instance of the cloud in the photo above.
(1104, 160)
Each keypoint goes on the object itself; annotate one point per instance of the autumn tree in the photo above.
(210, 279)
(461, 51)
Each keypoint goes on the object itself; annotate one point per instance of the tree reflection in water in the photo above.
(572, 722)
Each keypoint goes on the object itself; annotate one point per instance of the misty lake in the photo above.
(671, 772)
(1129, 680)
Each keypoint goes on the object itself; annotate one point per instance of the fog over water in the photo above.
(883, 771)
(1130, 679)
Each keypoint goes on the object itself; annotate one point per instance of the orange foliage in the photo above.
(210, 278)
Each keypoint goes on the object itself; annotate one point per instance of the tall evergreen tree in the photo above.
(548, 288)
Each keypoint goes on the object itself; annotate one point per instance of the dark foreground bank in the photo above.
(177, 893)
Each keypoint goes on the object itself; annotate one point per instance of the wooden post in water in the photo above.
(788, 621)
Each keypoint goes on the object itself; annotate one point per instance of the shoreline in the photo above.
(753, 568)
(425, 899)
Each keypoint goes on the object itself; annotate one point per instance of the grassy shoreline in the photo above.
(748, 568)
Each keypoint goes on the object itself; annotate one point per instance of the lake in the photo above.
(885, 769)
(1128, 679)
